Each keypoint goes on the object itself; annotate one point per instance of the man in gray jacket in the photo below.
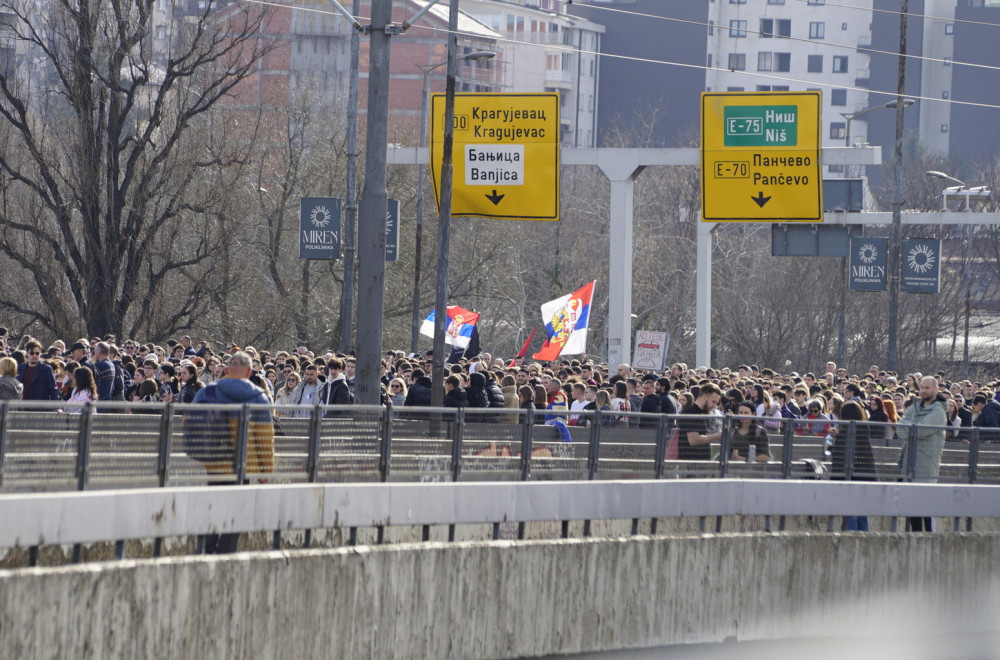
(930, 410)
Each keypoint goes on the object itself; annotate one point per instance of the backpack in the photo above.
(206, 431)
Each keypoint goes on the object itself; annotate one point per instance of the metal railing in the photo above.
(116, 445)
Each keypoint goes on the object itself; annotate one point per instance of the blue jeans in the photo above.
(856, 523)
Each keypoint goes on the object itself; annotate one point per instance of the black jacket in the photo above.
(667, 404)
(456, 398)
(419, 393)
(650, 404)
(494, 394)
(990, 415)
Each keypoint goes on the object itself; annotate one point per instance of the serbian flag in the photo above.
(458, 327)
(566, 321)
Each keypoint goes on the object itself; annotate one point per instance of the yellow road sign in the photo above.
(760, 157)
(505, 155)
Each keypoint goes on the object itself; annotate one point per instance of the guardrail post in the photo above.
(911, 454)
(725, 448)
(974, 455)
(973, 466)
(166, 432)
(3, 436)
(787, 436)
(315, 425)
(83, 459)
(456, 445)
(242, 437)
(662, 435)
(593, 451)
(849, 449)
(526, 442)
(163, 461)
(385, 445)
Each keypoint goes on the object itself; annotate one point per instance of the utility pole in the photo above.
(895, 237)
(347, 294)
(444, 228)
(374, 201)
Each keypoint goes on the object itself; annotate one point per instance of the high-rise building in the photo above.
(546, 49)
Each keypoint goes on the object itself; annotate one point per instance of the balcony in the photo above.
(559, 78)
(862, 78)
(864, 43)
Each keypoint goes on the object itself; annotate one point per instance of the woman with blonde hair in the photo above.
(397, 391)
(10, 386)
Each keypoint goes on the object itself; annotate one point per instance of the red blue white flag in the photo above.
(566, 321)
(458, 327)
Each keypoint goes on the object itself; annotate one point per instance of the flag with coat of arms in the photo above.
(566, 321)
(458, 326)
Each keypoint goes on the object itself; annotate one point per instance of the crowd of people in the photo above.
(570, 392)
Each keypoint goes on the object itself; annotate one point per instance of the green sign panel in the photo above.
(761, 126)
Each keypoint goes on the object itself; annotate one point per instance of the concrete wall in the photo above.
(504, 599)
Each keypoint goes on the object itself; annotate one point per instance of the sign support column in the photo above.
(621, 168)
(703, 295)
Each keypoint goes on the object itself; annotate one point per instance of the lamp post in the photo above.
(842, 320)
(476, 55)
(978, 192)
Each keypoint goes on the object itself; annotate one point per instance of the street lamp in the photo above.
(842, 320)
(851, 116)
(476, 55)
(979, 193)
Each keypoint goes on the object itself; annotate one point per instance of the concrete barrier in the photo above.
(504, 599)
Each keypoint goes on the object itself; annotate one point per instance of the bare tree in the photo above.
(114, 172)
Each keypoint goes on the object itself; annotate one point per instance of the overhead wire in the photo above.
(648, 60)
(820, 42)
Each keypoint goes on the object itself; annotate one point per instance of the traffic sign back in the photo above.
(505, 155)
(760, 157)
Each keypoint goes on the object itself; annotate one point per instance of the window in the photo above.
(779, 88)
(816, 2)
(764, 61)
(711, 28)
(947, 61)
(775, 27)
(838, 130)
(737, 29)
(737, 2)
(843, 26)
(814, 64)
(737, 61)
(782, 61)
(709, 60)
(949, 28)
(840, 63)
(944, 128)
(763, 88)
(775, 2)
(817, 30)
(838, 97)
(945, 94)
(734, 89)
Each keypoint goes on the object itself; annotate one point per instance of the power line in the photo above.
(647, 60)
(910, 14)
(819, 42)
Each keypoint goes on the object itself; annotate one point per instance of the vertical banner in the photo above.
(650, 350)
(868, 263)
(921, 268)
(392, 231)
(319, 228)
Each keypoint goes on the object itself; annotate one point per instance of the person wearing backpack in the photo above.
(235, 388)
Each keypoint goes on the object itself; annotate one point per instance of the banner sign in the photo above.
(921, 268)
(392, 231)
(650, 350)
(868, 263)
(319, 228)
